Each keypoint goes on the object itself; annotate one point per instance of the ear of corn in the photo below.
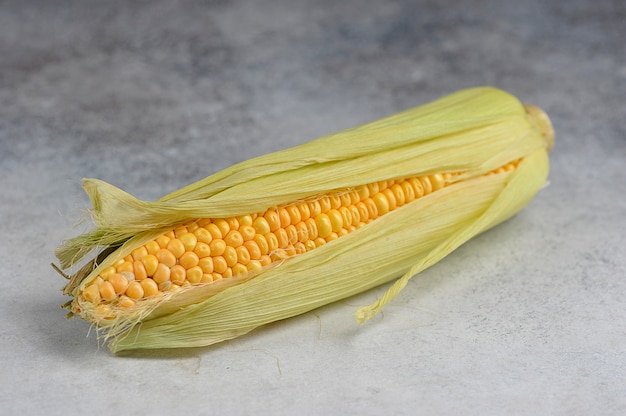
(464, 140)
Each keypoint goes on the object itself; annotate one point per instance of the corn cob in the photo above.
(337, 216)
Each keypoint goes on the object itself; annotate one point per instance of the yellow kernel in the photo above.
(283, 237)
(216, 276)
(178, 274)
(107, 291)
(331, 237)
(127, 266)
(382, 205)
(319, 241)
(165, 286)
(354, 214)
(192, 226)
(152, 247)
(230, 254)
(335, 201)
(203, 235)
(363, 211)
(247, 232)
(125, 302)
(261, 241)
(217, 247)
(437, 181)
(215, 231)
(354, 197)
(261, 225)
(201, 250)
(284, 217)
(92, 293)
(299, 248)
(253, 249)
(311, 228)
(206, 265)
(408, 191)
(243, 255)
(305, 211)
(342, 232)
(219, 264)
(139, 252)
(372, 209)
(398, 194)
(204, 222)
(416, 184)
(363, 192)
(272, 242)
(162, 241)
(149, 286)
(265, 260)
(150, 262)
(104, 311)
(294, 214)
(178, 231)
(391, 199)
(314, 208)
(170, 234)
(176, 247)
(107, 272)
(162, 274)
(134, 290)
(223, 225)
(254, 266)
(233, 239)
(273, 219)
(194, 275)
(428, 187)
(279, 255)
(325, 204)
(309, 245)
(346, 216)
(239, 269)
(373, 188)
(324, 226)
(227, 273)
(382, 185)
(336, 221)
(206, 278)
(189, 241)
(245, 220)
(119, 283)
(346, 200)
(292, 233)
(166, 257)
(302, 232)
(233, 223)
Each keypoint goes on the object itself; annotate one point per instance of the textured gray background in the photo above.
(527, 319)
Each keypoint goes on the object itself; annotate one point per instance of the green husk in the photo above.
(472, 131)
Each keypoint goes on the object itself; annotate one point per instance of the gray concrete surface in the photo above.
(527, 319)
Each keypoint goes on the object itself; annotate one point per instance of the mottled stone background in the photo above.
(529, 318)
